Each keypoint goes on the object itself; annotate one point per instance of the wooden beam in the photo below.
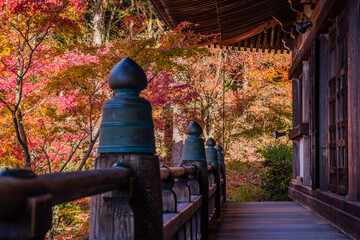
(238, 45)
(278, 37)
(272, 37)
(299, 131)
(264, 42)
(159, 9)
(328, 7)
(251, 44)
(218, 17)
(258, 41)
(296, 5)
(249, 34)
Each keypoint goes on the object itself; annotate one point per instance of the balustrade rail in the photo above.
(132, 197)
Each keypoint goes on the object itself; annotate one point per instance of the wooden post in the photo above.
(305, 141)
(127, 137)
(314, 116)
(297, 112)
(353, 99)
(324, 112)
(168, 195)
(181, 188)
(193, 182)
(212, 159)
(34, 219)
(222, 170)
(194, 154)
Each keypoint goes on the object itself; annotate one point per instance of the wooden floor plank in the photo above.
(271, 220)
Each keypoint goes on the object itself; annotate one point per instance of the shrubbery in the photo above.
(257, 180)
(243, 181)
(277, 173)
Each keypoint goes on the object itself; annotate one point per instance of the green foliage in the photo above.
(278, 173)
(70, 219)
(245, 193)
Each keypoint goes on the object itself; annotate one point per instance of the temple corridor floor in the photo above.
(271, 220)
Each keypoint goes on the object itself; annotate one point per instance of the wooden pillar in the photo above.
(323, 111)
(353, 99)
(127, 137)
(222, 170)
(314, 114)
(305, 141)
(194, 154)
(212, 159)
(297, 112)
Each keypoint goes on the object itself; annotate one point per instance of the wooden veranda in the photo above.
(271, 220)
(323, 37)
(135, 199)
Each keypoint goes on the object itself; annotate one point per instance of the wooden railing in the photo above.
(26, 199)
(133, 198)
(25, 205)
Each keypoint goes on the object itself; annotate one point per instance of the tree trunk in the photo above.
(24, 139)
(98, 22)
(109, 24)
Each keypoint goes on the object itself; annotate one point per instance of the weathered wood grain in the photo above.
(314, 113)
(218, 192)
(174, 221)
(298, 131)
(271, 220)
(204, 191)
(305, 117)
(353, 99)
(193, 182)
(324, 112)
(336, 209)
(32, 223)
(181, 189)
(223, 178)
(63, 187)
(146, 200)
(169, 201)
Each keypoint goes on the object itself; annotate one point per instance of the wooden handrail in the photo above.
(177, 172)
(164, 173)
(173, 222)
(63, 187)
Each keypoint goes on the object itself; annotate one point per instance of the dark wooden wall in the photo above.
(305, 118)
(354, 98)
(323, 111)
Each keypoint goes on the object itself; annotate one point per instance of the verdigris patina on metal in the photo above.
(220, 155)
(194, 145)
(211, 153)
(127, 124)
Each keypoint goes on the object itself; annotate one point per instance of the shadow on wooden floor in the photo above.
(271, 220)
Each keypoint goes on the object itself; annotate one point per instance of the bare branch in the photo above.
(88, 152)
(153, 77)
(73, 152)
(36, 106)
(9, 68)
(6, 104)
